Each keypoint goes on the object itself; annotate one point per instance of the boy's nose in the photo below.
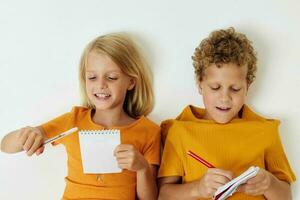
(225, 96)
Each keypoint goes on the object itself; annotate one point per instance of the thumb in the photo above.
(241, 188)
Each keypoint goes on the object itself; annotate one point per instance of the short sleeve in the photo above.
(152, 148)
(171, 163)
(276, 159)
(58, 125)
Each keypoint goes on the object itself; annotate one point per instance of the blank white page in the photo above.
(97, 149)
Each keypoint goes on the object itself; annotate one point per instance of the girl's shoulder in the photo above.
(148, 123)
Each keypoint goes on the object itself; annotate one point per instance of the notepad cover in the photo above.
(229, 188)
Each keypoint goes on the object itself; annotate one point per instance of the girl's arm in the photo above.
(129, 158)
(205, 187)
(29, 139)
(146, 183)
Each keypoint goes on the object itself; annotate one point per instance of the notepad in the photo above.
(97, 148)
(229, 188)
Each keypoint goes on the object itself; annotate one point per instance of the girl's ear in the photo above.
(131, 84)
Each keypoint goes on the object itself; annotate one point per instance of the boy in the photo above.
(226, 133)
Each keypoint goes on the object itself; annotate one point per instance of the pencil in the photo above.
(201, 160)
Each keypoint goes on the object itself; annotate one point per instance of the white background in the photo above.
(41, 43)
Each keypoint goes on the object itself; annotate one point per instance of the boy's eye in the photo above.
(235, 89)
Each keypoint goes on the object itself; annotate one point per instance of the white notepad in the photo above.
(97, 149)
(229, 188)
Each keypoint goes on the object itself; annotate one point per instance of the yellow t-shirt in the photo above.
(143, 134)
(235, 146)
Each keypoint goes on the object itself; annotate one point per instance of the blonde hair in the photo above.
(125, 53)
(225, 46)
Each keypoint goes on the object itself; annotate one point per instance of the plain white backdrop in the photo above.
(41, 43)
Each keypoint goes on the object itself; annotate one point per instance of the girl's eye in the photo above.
(112, 78)
(215, 88)
(92, 78)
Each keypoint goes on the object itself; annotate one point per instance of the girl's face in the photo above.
(224, 91)
(106, 83)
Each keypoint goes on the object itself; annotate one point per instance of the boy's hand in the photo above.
(257, 185)
(31, 140)
(129, 158)
(212, 180)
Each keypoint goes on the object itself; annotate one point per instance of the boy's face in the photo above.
(106, 83)
(224, 91)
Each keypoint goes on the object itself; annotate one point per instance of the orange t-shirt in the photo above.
(143, 134)
(243, 142)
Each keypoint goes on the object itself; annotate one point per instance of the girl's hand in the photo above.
(129, 158)
(212, 180)
(31, 140)
(257, 185)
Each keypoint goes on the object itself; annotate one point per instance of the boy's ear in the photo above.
(131, 84)
(199, 87)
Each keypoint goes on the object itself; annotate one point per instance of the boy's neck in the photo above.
(111, 118)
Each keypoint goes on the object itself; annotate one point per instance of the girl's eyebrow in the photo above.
(110, 71)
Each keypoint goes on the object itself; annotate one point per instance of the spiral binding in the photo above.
(99, 132)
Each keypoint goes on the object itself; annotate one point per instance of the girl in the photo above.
(117, 93)
(226, 133)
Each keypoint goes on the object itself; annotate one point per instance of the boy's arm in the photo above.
(29, 139)
(278, 190)
(205, 187)
(171, 188)
(146, 183)
(265, 183)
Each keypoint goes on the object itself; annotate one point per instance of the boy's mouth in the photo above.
(223, 109)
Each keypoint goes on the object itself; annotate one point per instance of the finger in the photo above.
(222, 172)
(124, 161)
(252, 191)
(40, 150)
(124, 147)
(119, 149)
(37, 143)
(123, 154)
(23, 135)
(123, 166)
(29, 142)
(215, 185)
(260, 176)
(220, 179)
(241, 188)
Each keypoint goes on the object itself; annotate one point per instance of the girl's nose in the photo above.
(102, 83)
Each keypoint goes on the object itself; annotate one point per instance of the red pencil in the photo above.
(201, 160)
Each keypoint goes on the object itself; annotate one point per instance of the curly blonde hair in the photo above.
(222, 47)
(126, 54)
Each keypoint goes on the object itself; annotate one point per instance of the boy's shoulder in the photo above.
(192, 115)
(188, 114)
(250, 115)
